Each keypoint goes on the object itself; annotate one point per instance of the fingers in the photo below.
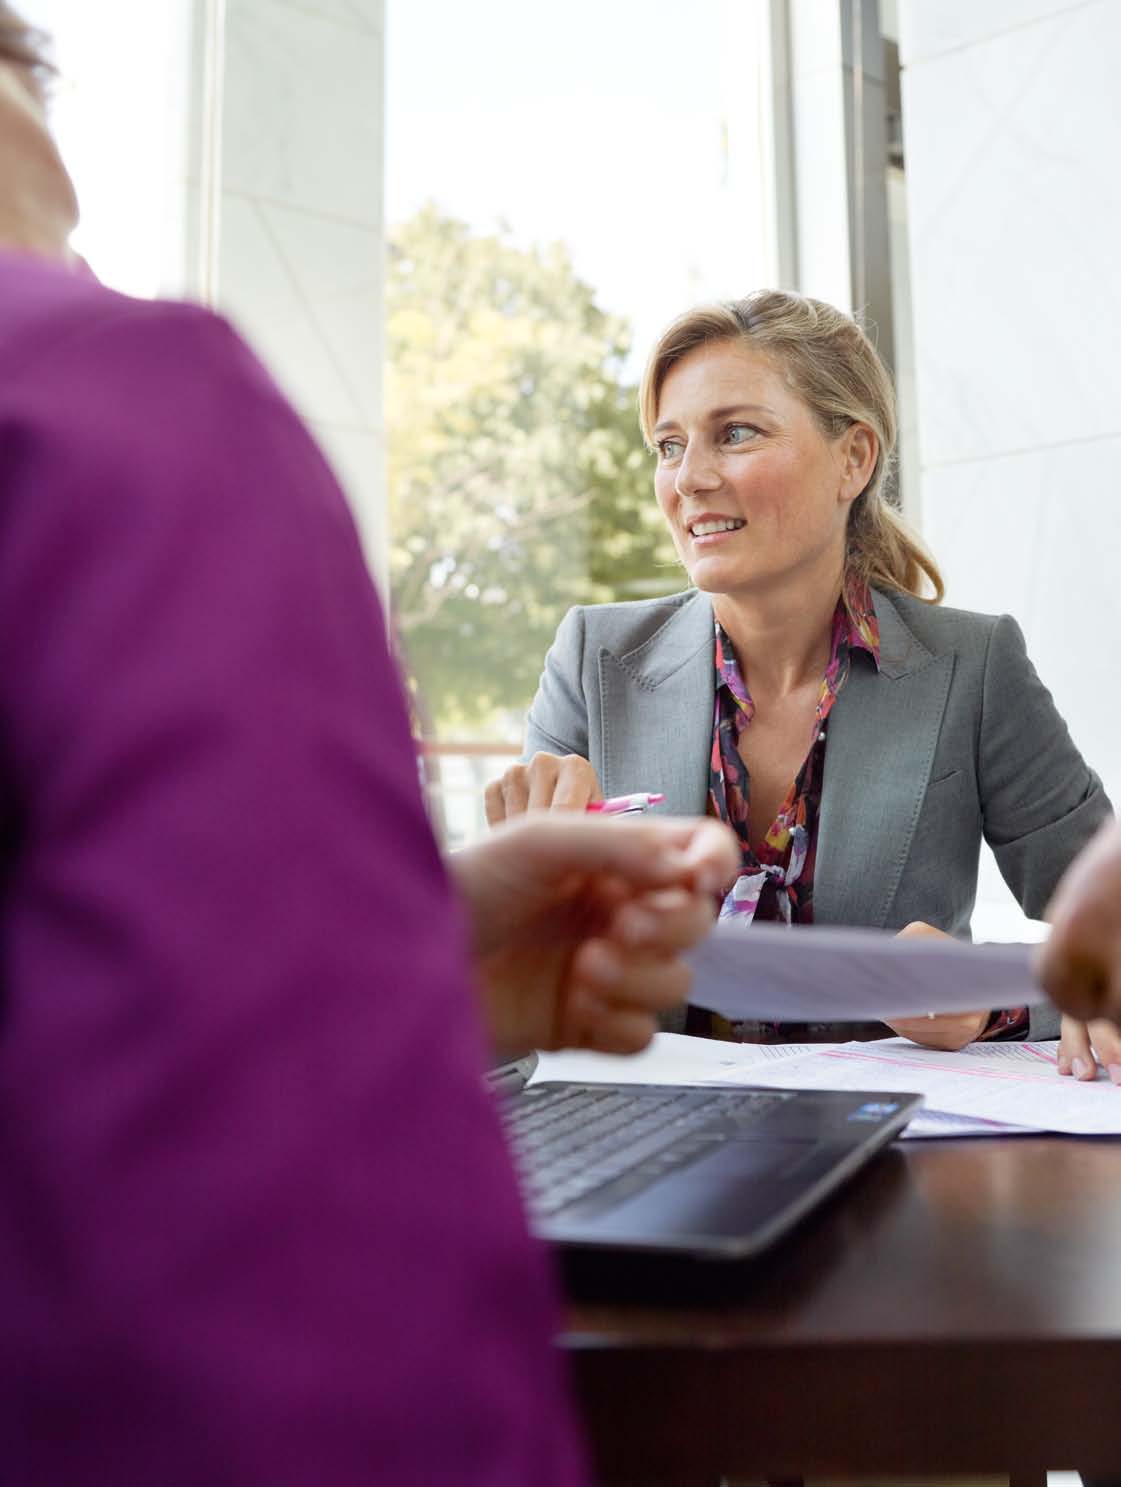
(615, 997)
(1075, 1054)
(1105, 1040)
(548, 782)
(699, 854)
(1082, 1046)
(710, 854)
(622, 977)
(574, 784)
(616, 1030)
(662, 922)
(508, 796)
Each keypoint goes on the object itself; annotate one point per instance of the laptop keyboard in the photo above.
(575, 1140)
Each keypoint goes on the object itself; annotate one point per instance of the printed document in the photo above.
(1016, 1084)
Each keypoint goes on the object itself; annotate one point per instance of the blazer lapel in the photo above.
(657, 704)
(883, 731)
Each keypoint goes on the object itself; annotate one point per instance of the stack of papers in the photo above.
(988, 1089)
(1013, 1084)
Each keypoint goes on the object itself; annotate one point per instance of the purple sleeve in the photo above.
(257, 1224)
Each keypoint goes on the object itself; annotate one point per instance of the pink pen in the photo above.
(622, 805)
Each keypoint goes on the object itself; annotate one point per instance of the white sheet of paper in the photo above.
(828, 974)
(673, 1058)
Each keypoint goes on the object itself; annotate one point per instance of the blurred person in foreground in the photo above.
(809, 688)
(257, 1220)
(1080, 964)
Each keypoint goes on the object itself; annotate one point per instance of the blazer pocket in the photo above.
(943, 779)
(951, 801)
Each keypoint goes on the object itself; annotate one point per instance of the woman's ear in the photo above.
(859, 451)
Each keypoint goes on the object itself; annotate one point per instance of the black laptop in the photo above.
(714, 1172)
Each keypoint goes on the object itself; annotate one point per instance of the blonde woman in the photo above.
(809, 688)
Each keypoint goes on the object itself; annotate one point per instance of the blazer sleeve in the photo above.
(1041, 802)
(558, 719)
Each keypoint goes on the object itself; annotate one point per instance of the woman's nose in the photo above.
(696, 472)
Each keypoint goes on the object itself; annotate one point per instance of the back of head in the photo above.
(24, 46)
(832, 366)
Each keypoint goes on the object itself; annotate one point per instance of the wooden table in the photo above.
(956, 1309)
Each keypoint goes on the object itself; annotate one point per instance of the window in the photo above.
(557, 189)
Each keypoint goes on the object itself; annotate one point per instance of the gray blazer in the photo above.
(953, 738)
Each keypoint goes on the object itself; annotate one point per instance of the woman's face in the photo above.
(38, 209)
(754, 493)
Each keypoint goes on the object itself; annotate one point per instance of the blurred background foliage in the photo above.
(518, 481)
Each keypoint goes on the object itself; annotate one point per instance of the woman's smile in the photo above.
(711, 531)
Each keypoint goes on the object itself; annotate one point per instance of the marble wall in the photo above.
(300, 262)
(1012, 133)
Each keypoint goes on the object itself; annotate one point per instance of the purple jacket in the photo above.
(257, 1224)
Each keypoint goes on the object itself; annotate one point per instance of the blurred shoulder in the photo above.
(63, 331)
(152, 404)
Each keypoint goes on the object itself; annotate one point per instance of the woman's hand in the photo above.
(1085, 1045)
(550, 782)
(579, 923)
(946, 1030)
(1080, 965)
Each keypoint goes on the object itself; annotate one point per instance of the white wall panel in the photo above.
(1012, 133)
(1015, 220)
(929, 28)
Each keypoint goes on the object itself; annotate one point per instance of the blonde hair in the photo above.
(830, 364)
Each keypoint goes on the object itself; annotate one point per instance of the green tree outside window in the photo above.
(518, 482)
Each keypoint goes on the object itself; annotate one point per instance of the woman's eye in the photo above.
(740, 433)
(670, 449)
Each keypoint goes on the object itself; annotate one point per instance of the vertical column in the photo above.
(820, 160)
(838, 112)
(299, 242)
(862, 48)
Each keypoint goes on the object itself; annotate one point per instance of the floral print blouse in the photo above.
(776, 882)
